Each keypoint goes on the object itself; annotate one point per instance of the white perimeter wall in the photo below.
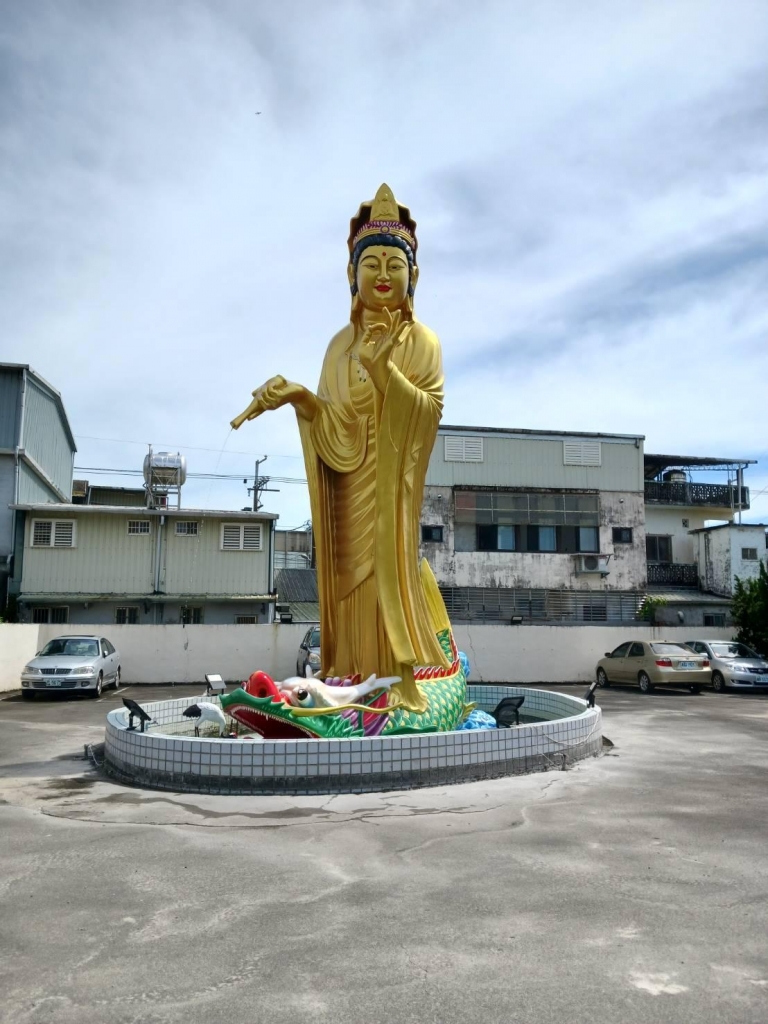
(165, 654)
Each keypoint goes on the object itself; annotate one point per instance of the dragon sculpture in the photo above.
(350, 708)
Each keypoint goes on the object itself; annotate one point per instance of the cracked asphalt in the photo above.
(632, 888)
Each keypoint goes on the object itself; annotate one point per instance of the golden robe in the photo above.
(366, 457)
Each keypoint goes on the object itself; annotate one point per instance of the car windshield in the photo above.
(71, 647)
(672, 650)
(314, 638)
(732, 651)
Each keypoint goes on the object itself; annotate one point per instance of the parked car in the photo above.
(652, 664)
(733, 664)
(72, 663)
(309, 652)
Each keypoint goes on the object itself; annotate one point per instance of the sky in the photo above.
(590, 184)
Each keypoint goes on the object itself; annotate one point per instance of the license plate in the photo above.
(761, 679)
(53, 682)
(687, 664)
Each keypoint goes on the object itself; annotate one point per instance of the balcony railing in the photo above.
(672, 574)
(658, 492)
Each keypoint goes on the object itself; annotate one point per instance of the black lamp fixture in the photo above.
(589, 696)
(135, 710)
(507, 712)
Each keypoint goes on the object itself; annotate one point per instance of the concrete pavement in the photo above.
(630, 889)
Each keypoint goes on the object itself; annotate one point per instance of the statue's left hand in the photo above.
(376, 347)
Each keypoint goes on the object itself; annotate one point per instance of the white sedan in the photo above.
(72, 663)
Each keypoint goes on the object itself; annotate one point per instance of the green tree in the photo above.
(750, 610)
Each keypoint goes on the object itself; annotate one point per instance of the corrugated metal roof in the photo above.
(297, 585)
(132, 510)
(446, 428)
(49, 598)
(305, 611)
(688, 597)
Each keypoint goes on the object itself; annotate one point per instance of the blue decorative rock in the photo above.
(465, 664)
(477, 719)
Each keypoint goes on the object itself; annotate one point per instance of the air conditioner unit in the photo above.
(593, 564)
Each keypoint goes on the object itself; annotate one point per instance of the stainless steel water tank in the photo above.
(165, 469)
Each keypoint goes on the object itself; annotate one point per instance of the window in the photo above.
(58, 614)
(53, 533)
(245, 620)
(191, 616)
(594, 612)
(622, 535)
(513, 521)
(686, 523)
(137, 527)
(620, 651)
(185, 528)
(463, 449)
(241, 537)
(714, 618)
(104, 649)
(582, 453)
(658, 549)
(128, 616)
(749, 554)
(636, 651)
(108, 645)
(432, 534)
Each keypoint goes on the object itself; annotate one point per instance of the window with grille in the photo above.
(749, 554)
(519, 521)
(714, 619)
(582, 453)
(58, 614)
(245, 620)
(191, 616)
(137, 527)
(432, 534)
(186, 528)
(241, 537)
(622, 535)
(53, 533)
(128, 616)
(463, 449)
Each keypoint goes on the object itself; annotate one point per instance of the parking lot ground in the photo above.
(632, 888)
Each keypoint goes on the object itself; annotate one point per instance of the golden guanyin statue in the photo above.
(367, 436)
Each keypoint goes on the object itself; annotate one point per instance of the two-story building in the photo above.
(536, 525)
(37, 453)
(128, 565)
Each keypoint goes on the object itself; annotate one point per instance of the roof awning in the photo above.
(655, 464)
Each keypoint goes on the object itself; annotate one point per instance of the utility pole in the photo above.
(259, 485)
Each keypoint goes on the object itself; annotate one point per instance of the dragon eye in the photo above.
(304, 699)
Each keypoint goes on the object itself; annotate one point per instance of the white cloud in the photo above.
(590, 192)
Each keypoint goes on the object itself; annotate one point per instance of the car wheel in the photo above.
(117, 679)
(602, 678)
(99, 686)
(27, 694)
(695, 689)
(718, 682)
(646, 685)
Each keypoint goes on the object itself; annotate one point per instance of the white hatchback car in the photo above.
(72, 663)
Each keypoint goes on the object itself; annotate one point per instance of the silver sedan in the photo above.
(733, 664)
(82, 663)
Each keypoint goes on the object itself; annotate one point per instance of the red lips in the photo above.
(383, 288)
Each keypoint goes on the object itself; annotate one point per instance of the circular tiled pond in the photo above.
(557, 729)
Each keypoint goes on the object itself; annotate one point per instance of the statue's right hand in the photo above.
(271, 395)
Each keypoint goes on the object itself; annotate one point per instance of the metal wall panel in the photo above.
(44, 437)
(31, 488)
(7, 482)
(196, 565)
(108, 560)
(10, 400)
(520, 461)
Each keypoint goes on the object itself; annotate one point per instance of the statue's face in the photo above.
(382, 277)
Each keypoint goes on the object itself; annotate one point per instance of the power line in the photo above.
(186, 447)
(105, 471)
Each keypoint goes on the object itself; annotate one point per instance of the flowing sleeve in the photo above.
(410, 416)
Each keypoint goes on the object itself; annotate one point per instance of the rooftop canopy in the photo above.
(655, 465)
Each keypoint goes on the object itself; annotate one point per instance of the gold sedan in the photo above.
(652, 664)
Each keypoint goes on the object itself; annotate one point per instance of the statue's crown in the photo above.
(382, 215)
